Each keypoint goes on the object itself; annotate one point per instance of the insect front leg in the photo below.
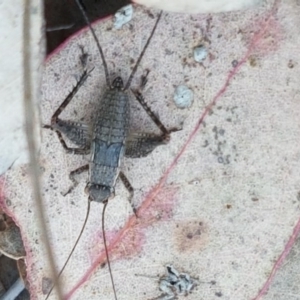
(76, 132)
(72, 177)
(129, 188)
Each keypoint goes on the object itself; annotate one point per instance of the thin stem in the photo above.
(30, 130)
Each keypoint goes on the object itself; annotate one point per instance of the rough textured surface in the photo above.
(200, 6)
(225, 209)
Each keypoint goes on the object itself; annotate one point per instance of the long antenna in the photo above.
(79, 4)
(142, 54)
(106, 251)
(75, 245)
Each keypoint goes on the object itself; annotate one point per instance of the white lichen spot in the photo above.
(200, 53)
(183, 96)
(174, 284)
(123, 16)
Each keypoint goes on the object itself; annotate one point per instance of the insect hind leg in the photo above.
(165, 132)
(56, 122)
(68, 99)
(140, 144)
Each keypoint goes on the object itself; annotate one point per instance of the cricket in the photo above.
(108, 140)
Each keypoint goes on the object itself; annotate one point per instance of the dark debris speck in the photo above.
(234, 63)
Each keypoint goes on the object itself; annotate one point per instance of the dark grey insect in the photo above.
(108, 140)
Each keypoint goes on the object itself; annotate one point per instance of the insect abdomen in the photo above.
(108, 144)
(112, 122)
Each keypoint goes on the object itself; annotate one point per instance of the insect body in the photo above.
(109, 139)
(108, 142)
